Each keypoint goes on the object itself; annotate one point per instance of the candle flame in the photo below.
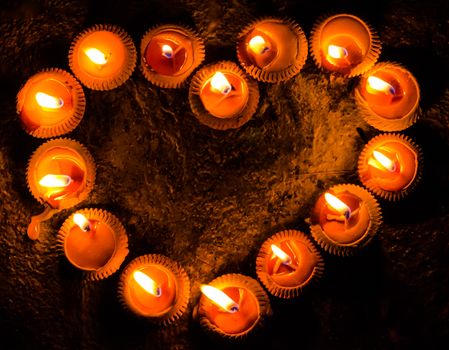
(48, 101)
(220, 83)
(338, 205)
(283, 256)
(147, 283)
(258, 45)
(96, 56)
(335, 51)
(219, 298)
(382, 160)
(378, 84)
(167, 51)
(51, 180)
(81, 221)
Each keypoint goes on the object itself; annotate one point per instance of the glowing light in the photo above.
(82, 222)
(147, 283)
(220, 83)
(378, 84)
(381, 160)
(258, 45)
(167, 51)
(283, 256)
(219, 298)
(51, 180)
(96, 56)
(337, 205)
(337, 52)
(47, 101)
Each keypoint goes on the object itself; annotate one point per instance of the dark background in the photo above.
(209, 199)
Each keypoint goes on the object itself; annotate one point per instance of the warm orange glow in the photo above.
(337, 52)
(337, 205)
(379, 85)
(96, 56)
(220, 83)
(147, 283)
(167, 51)
(82, 222)
(48, 102)
(51, 180)
(381, 161)
(258, 45)
(283, 256)
(219, 298)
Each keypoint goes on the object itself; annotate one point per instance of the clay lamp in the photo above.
(222, 97)
(94, 241)
(388, 97)
(169, 54)
(345, 218)
(390, 166)
(51, 103)
(102, 57)
(155, 287)
(287, 262)
(344, 44)
(232, 306)
(60, 174)
(272, 50)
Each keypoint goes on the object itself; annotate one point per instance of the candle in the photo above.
(232, 305)
(94, 241)
(344, 44)
(287, 262)
(388, 97)
(102, 57)
(155, 287)
(51, 103)
(169, 54)
(390, 166)
(272, 50)
(222, 97)
(344, 219)
(60, 174)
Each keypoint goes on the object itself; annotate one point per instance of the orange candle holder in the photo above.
(60, 174)
(155, 287)
(245, 306)
(390, 166)
(345, 219)
(169, 54)
(222, 97)
(388, 97)
(272, 50)
(94, 240)
(102, 57)
(50, 103)
(287, 262)
(344, 44)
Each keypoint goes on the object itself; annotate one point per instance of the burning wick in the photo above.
(337, 205)
(51, 180)
(283, 256)
(337, 52)
(147, 283)
(258, 45)
(221, 84)
(48, 102)
(167, 51)
(375, 84)
(82, 222)
(382, 160)
(219, 298)
(96, 56)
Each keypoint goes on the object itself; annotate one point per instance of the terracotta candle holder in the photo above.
(388, 97)
(155, 287)
(51, 103)
(345, 218)
(94, 241)
(222, 97)
(390, 166)
(232, 306)
(102, 57)
(169, 54)
(287, 262)
(344, 44)
(272, 50)
(60, 174)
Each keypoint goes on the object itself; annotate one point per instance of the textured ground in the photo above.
(209, 199)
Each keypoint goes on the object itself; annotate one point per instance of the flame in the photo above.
(283, 256)
(258, 44)
(167, 51)
(47, 101)
(147, 283)
(220, 83)
(51, 180)
(96, 56)
(335, 51)
(219, 298)
(382, 160)
(378, 84)
(82, 222)
(337, 205)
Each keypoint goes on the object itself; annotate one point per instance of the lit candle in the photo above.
(272, 50)
(344, 219)
(51, 103)
(94, 241)
(169, 54)
(388, 97)
(287, 262)
(102, 57)
(60, 174)
(344, 44)
(222, 97)
(232, 305)
(390, 166)
(155, 287)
